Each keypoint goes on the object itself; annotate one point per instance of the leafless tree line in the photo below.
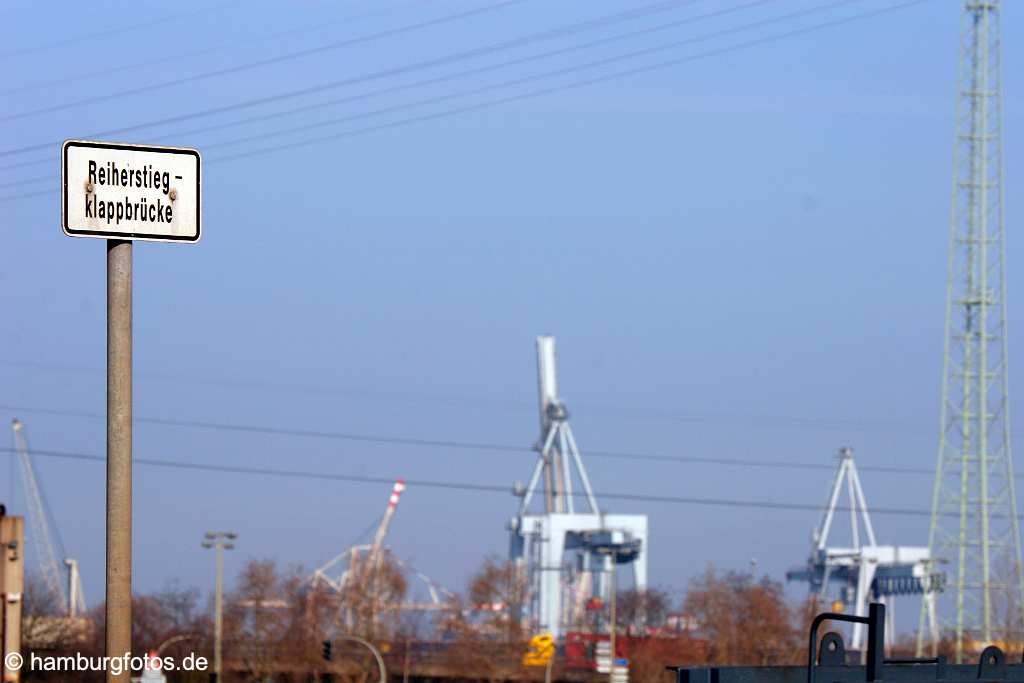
(275, 622)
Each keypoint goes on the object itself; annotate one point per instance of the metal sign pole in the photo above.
(218, 612)
(120, 192)
(119, 453)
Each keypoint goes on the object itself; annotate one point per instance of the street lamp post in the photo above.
(219, 541)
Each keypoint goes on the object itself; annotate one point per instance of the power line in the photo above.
(25, 195)
(419, 442)
(564, 87)
(30, 162)
(466, 486)
(546, 35)
(237, 383)
(539, 92)
(27, 181)
(569, 30)
(548, 74)
(803, 422)
(384, 73)
(459, 56)
(261, 63)
(114, 31)
(77, 78)
(501, 65)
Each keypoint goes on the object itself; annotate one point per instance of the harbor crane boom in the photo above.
(48, 564)
(375, 557)
(43, 540)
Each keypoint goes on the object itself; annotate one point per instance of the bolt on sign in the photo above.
(130, 192)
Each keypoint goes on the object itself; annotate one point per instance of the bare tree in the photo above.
(258, 620)
(44, 622)
(498, 589)
(173, 612)
(636, 610)
(745, 621)
(648, 657)
(373, 596)
(1010, 615)
(276, 621)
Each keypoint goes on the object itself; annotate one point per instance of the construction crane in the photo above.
(438, 596)
(361, 565)
(373, 562)
(864, 571)
(361, 557)
(364, 561)
(71, 600)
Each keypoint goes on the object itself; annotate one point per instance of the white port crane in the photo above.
(565, 554)
(865, 571)
(72, 599)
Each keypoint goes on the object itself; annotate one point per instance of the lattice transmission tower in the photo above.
(974, 524)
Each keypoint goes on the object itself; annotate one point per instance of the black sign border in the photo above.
(79, 232)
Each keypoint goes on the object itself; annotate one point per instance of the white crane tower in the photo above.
(71, 600)
(565, 553)
(865, 571)
(360, 566)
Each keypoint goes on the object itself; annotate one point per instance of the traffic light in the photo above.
(326, 650)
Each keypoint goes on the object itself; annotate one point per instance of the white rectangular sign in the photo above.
(130, 192)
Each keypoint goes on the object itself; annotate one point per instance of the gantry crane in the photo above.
(72, 599)
(865, 571)
(567, 555)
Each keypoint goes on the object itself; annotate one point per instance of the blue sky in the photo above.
(741, 255)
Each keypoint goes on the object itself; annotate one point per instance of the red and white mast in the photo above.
(373, 561)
